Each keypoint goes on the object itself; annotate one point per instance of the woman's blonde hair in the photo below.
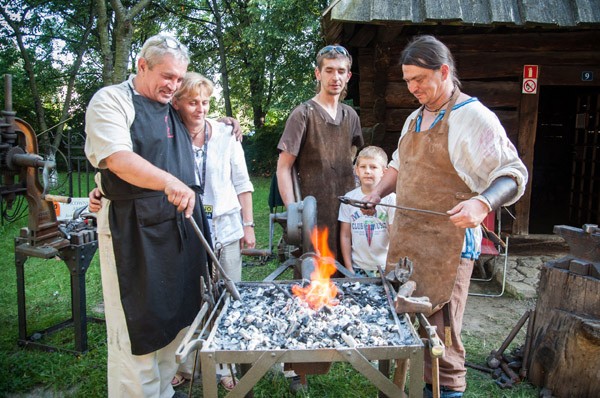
(194, 84)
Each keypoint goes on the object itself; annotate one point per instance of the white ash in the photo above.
(269, 317)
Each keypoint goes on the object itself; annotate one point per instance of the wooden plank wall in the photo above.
(490, 67)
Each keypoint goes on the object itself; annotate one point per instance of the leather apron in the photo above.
(159, 258)
(427, 180)
(325, 167)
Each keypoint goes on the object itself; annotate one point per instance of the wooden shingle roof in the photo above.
(515, 13)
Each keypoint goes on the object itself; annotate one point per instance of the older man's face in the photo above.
(160, 82)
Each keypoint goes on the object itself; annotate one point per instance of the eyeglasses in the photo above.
(333, 48)
(172, 43)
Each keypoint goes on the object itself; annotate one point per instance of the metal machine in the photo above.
(74, 241)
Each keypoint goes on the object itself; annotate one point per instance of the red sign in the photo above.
(530, 72)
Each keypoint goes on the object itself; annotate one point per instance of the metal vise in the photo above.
(20, 163)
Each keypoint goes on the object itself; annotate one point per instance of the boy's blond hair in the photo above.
(373, 152)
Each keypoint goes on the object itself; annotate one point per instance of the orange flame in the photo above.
(321, 291)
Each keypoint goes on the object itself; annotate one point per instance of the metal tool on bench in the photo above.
(436, 350)
(44, 237)
(404, 303)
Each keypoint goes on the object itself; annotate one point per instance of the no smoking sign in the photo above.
(530, 76)
(529, 86)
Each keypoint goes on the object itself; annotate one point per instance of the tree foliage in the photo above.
(260, 53)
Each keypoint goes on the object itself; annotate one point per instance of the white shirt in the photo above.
(370, 234)
(479, 149)
(480, 152)
(226, 178)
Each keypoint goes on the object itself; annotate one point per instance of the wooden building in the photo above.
(550, 111)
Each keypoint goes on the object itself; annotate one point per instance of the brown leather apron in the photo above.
(427, 180)
(325, 167)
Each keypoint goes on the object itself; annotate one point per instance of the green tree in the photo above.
(115, 28)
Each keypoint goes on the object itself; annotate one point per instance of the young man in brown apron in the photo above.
(150, 258)
(453, 157)
(318, 139)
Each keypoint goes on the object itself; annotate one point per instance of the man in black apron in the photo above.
(151, 260)
(453, 157)
(318, 138)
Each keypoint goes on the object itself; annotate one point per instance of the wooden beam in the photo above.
(568, 75)
(528, 112)
(492, 94)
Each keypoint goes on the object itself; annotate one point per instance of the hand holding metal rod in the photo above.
(229, 284)
(364, 205)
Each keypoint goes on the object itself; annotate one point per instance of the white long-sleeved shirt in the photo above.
(480, 152)
(226, 178)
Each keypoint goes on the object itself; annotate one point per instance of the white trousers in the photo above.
(131, 375)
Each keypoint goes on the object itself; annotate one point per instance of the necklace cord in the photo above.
(443, 105)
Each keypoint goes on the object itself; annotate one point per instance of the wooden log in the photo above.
(566, 353)
(491, 94)
(491, 65)
(565, 338)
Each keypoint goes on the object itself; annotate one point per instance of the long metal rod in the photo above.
(363, 205)
(229, 284)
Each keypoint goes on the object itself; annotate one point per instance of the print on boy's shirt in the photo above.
(381, 216)
(370, 227)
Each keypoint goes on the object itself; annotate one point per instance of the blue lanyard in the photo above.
(441, 114)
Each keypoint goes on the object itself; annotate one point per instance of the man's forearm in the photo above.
(387, 184)
(285, 182)
(137, 171)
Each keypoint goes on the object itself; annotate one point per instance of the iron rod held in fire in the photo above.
(229, 284)
(363, 205)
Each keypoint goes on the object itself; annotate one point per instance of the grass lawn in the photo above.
(25, 372)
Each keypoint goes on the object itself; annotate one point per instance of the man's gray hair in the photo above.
(156, 47)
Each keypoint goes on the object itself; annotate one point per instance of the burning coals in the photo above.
(269, 317)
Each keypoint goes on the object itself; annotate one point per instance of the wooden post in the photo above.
(528, 111)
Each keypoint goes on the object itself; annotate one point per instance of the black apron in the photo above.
(159, 258)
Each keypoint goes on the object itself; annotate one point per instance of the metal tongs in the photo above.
(365, 205)
(496, 240)
(229, 284)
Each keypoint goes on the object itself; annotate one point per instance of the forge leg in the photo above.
(416, 374)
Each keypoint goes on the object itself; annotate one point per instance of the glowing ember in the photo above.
(321, 291)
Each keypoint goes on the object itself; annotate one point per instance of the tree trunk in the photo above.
(565, 349)
(222, 56)
(104, 38)
(114, 65)
(72, 77)
(28, 65)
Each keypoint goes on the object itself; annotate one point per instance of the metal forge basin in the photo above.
(254, 363)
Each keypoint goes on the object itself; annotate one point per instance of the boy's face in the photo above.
(369, 171)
